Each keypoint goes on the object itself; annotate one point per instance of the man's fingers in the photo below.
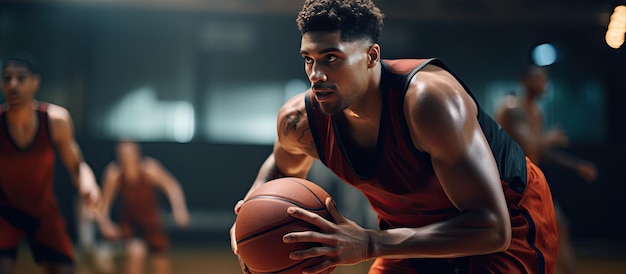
(309, 217)
(309, 237)
(238, 206)
(331, 206)
(244, 267)
(233, 240)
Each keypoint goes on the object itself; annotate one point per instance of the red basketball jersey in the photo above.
(398, 179)
(27, 173)
(403, 189)
(138, 200)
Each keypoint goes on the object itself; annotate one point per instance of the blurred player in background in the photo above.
(522, 118)
(135, 178)
(30, 133)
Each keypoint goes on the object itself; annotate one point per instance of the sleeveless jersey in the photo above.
(27, 173)
(138, 200)
(399, 182)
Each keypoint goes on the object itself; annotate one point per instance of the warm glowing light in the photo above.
(617, 27)
(614, 39)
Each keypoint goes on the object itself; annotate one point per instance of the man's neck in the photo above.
(530, 99)
(369, 106)
(21, 114)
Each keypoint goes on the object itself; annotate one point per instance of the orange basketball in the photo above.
(262, 222)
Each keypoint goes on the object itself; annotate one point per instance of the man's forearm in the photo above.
(471, 233)
(81, 174)
(561, 158)
(177, 198)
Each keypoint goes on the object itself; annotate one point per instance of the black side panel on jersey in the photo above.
(509, 156)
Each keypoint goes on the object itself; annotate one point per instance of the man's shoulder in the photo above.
(296, 102)
(433, 80)
(509, 109)
(435, 92)
(293, 129)
(112, 167)
(510, 103)
(405, 66)
(294, 106)
(60, 123)
(57, 113)
(149, 163)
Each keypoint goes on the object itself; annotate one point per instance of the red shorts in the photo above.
(152, 233)
(48, 238)
(533, 246)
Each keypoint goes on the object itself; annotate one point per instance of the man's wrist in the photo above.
(371, 252)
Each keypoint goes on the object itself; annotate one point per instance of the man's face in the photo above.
(18, 85)
(536, 82)
(128, 155)
(338, 70)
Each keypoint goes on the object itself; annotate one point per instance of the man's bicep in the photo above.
(463, 162)
(71, 155)
(443, 122)
(110, 184)
(294, 149)
(291, 162)
(471, 180)
(66, 145)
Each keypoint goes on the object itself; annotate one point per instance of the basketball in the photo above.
(263, 221)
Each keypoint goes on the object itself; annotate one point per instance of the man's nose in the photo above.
(317, 75)
(11, 82)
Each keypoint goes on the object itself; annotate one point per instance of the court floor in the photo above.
(219, 260)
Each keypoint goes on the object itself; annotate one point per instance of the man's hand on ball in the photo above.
(343, 242)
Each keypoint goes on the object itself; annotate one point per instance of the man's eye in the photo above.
(21, 78)
(308, 60)
(331, 58)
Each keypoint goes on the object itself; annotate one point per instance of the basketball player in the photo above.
(410, 136)
(523, 120)
(30, 133)
(135, 178)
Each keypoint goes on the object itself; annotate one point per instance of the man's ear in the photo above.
(37, 82)
(373, 55)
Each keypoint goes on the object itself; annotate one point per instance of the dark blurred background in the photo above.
(199, 82)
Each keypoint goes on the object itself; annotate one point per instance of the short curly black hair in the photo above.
(355, 19)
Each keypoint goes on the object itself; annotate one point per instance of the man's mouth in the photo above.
(323, 95)
(13, 93)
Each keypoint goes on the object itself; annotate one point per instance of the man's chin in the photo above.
(15, 102)
(329, 111)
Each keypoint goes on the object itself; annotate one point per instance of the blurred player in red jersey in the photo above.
(522, 118)
(135, 178)
(30, 133)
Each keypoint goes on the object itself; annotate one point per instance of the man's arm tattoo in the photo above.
(292, 122)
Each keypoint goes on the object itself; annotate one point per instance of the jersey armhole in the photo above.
(312, 117)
